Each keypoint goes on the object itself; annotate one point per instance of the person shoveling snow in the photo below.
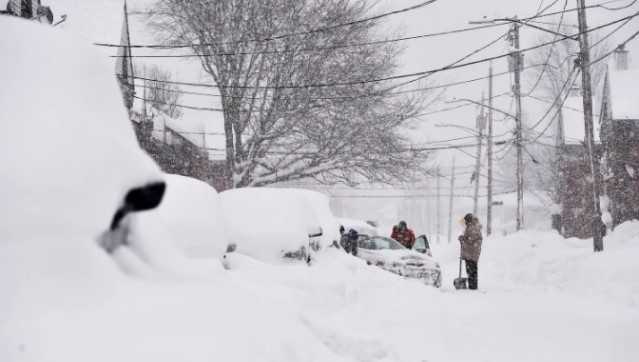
(470, 251)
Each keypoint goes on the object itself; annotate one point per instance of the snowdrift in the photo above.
(190, 216)
(68, 152)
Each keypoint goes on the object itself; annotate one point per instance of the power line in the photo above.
(631, 38)
(559, 96)
(333, 47)
(547, 62)
(289, 35)
(621, 7)
(195, 108)
(322, 29)
(453, 147)
(413, 196)
(565, 98)
(420, 74)
(378, 94)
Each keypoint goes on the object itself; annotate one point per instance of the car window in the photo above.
(379, 243)
(421, 243)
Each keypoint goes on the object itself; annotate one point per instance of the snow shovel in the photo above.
(460, 283)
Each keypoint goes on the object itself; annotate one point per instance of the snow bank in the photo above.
(64, 126)
(545, 260)
(360, 226)
(192, 216)
(67, 150)
(266, 222)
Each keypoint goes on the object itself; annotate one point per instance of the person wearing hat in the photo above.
(348, 240)
(471, 248)
(403, 235)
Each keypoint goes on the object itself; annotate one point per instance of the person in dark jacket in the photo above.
(348, 240)
(403, 235)
(471, 248)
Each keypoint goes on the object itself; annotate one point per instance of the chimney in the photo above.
(621, 58)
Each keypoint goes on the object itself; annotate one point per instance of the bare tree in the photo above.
(158, 92)
(287, 113)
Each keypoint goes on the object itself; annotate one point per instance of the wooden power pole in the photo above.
(586, 86)
(489, 151)
(480, 124)
(450, 203)
(518, 127)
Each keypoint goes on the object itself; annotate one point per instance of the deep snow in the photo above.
(541, 298)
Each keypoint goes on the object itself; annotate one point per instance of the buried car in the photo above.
(277, 224)
(390, 255)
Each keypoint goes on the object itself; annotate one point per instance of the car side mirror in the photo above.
(139, 199)
(314, 232)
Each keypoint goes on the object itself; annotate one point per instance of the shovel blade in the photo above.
(460, 283)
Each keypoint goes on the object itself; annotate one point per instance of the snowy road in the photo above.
(542, 298)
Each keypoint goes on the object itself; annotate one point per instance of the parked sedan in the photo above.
(392, 256)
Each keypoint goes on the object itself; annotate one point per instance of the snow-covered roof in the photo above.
(624, 95)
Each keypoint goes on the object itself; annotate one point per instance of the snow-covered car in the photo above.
(272, 224)
(392, 256)
(363, 228)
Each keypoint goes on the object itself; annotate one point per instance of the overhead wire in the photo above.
(333, 47)
(419, 75)
(550, 52)
(321, 29)
(282, 36)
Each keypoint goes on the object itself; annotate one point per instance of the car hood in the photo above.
(398, 256)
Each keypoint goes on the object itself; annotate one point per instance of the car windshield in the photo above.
(379, 243)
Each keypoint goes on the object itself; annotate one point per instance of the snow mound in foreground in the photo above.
(68, 152)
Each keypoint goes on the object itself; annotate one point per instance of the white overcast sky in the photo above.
(100, 20)
(436, 52)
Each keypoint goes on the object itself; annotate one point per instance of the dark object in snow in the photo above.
(44, 14)
(460, 283)
(231, 248)
(349, 240)
(138, 199)
(471, 272)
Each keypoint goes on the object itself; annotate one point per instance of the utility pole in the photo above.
(586, 86)
(450, 203)
(480, 124)
(438, 227)
(489, 193)
(518, 125)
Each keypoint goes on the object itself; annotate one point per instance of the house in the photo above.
(575, 179)
(620, 138)
(616, 149)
